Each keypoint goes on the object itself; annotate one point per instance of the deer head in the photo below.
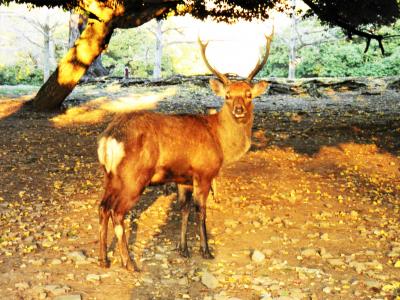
(238, 94)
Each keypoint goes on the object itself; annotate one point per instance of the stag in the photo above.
(139, 149)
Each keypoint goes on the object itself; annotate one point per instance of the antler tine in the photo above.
(221, 76)
(261, 64)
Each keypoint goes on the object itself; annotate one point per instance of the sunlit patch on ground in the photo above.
(9, 107)
(94, 111)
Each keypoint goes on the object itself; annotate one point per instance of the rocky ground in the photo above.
(311, 212)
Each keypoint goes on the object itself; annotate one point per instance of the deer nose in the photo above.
(239, 110)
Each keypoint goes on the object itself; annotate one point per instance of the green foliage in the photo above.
(21, 73)
(135, 48)
(339, 58)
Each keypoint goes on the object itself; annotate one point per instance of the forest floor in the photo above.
(311, 212)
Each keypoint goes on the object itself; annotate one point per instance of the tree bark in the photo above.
(46, 50)
(77, 24)
(73, 66)
(292, 43)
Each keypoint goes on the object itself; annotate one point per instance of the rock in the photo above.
(147, 280)
(22, 285)
(77, 256)
(209, 280)
(37, 262)
(257, 256)
(324, 237)
(373, 284)
(230, 223)
(266, 296)
(358, 267)
(327, 290)
(336, 262)
(56, 289)
(68, 297)
(276, 220)
(93, 277)
(376, 265)
(183, 281)
(56, 261)
(264, 281)
(309, 252)
(325, 254)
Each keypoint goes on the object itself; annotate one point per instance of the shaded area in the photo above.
(312, 181)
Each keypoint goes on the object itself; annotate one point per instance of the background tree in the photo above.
(106, 16)
(45, 25)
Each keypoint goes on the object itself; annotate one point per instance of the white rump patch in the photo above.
(119, 231)
(110, 153)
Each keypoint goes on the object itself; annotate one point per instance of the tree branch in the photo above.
(334, 19)
(133, 18)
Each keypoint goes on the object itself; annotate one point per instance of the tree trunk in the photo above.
(46, 51)
(158, 52)
(292, 43)
(73, 66)
(77, 24)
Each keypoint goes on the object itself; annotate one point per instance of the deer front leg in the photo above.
(185, 197)
(119, 230)
(201, 188)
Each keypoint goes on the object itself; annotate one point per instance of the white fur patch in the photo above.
(110, 153)
(119, 231)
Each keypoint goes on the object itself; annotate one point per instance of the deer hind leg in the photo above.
(104, 215)
(185, 200)
(201, 188)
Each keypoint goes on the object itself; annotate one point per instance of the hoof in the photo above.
(206, 254)
(130, 266)
(184, 252)
(104, 263)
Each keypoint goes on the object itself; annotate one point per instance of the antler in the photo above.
(261, 64)
(221, 76)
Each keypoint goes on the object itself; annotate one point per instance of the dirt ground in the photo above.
(311, 212)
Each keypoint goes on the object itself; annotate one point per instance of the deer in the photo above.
(139, 149)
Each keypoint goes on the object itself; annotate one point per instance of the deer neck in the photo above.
(234, 136)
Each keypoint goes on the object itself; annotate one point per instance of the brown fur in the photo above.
(139, 149)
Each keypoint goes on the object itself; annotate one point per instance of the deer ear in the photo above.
(259, 88)
(218, 87)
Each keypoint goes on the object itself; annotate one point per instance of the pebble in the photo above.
(327, 290)
(22, 285)
(183, 281)
(373, 284)
(37, 262)
(77, 256)
(68, 297)
(358, 267)
(325, 254)
(258, 256)
(336, 262)
(56, 261)
(324, 237)
(310, 252)
(230, 223)
(93, 277)
(209, 280)
(56, 289)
